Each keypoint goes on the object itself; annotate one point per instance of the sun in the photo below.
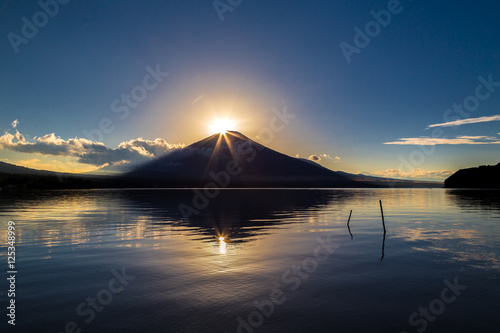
(222, 125)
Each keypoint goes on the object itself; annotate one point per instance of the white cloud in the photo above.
(314, 158)
(86, 151)
(459, 140)
(467, 121)
(478, 137)
(14, 123)
(414, 174)
(334, 158)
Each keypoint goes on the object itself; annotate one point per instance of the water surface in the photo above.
(255, 260)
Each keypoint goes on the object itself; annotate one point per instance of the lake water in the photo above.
(254, 261)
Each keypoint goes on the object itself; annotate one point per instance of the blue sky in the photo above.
(368, 114)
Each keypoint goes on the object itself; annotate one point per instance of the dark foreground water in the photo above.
(253, 261)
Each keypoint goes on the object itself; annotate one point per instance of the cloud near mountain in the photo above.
(414, 174)
(317, 158)
(86, 151)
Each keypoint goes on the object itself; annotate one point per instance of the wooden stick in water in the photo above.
(383, 223)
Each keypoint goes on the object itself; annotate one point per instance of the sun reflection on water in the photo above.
(222, 246)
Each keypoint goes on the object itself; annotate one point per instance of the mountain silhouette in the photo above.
(14, 176)
(485, 176)
(232, 159)
(15, 169)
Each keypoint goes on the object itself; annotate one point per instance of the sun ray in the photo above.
(213, 155)
(230, 146)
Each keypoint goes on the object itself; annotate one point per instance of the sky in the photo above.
(404, 89)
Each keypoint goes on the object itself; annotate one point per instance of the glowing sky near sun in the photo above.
(222, 125)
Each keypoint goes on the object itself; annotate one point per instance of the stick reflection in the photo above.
(348, 227)
(383, 247)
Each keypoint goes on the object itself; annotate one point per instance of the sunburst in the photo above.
(222, 125)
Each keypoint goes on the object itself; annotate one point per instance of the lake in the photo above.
(254, 260)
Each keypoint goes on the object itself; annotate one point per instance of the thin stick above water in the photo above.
(383, 223)
(382, 212)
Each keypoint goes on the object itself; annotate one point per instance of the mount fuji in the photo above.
(231, 159)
